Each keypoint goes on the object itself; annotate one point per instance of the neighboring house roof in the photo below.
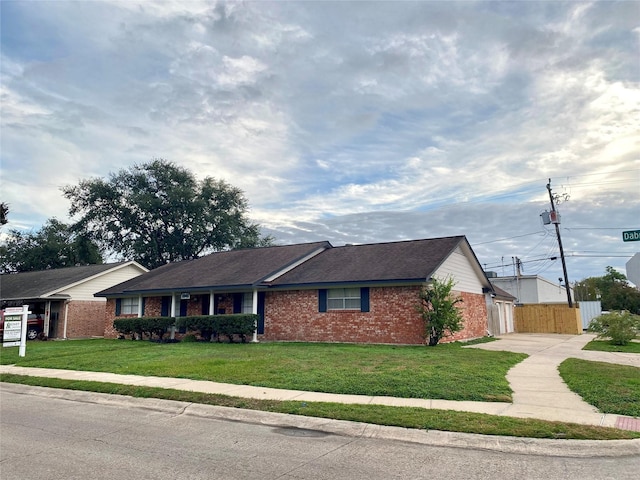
(235, 268)
(406, 261)
(309, 264)
(502, 294)
(49, 283)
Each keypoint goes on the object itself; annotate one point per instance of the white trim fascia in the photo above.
(97, 275)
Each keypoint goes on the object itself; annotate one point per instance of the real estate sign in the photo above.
(15, 328)
(12, 327)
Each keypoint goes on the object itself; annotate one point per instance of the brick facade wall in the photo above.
(110, 316)
(294, 316)
(152, 307)
(475, 318)
(84, 319)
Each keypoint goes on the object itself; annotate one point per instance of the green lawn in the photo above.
(420, 418)
(607, 346)
(611, 388)
(443, 372)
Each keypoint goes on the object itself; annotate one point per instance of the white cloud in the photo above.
(342, 120)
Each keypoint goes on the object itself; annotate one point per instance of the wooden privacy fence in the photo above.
(547, 318)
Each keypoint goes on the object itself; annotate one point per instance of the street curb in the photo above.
(503, 444)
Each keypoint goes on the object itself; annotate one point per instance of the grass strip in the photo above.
(610, 388)
(447, 372)
(407, 417)
(607, 346)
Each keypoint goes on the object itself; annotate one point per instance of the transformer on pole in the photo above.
(554, 217)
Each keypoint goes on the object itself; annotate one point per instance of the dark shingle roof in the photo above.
(500, 293)
(28, 285)
(237, 268)
(414, 260)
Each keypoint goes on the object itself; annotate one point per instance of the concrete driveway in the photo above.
(557, 346)
(538, 389)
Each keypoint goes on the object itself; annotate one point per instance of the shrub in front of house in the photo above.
(124, 326)
(438, 307)
(139, 327)
(620, 327)
(214, 326)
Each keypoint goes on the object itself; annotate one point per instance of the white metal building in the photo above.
(532, 289)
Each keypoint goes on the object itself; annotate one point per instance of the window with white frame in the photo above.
(343, 299)
(129, 306)
(247, 302)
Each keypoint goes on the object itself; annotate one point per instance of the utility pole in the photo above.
(555, 219)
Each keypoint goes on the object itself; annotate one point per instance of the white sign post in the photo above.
(23, 336)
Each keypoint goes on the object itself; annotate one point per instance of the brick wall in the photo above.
(84, 319)
(475, 317)
(110, 316)
(152, 307)
(194, 305)
(294, 316)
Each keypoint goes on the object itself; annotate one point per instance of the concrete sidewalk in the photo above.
(539, 392)
(538, 389)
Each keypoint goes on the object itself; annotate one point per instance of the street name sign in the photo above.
(631, 236)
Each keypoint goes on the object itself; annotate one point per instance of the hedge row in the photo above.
(141, 326)
(212, 326)
(208, 326)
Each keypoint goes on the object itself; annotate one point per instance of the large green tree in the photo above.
(612, 289)
(158, 212)
(55, 245)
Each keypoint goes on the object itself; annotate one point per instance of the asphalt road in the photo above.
(78, 438)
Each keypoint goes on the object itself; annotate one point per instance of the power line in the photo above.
(523, 262)
(604, 256)
(598, 228)
(510, 238)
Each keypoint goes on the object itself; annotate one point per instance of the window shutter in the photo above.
(237, 302)
(118, 306)
(322, 300)
(166, 304)
(205, 304)
(364, 299)
(143, 302)
(261, 301)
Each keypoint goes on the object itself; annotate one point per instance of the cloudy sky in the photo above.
(353, 122)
